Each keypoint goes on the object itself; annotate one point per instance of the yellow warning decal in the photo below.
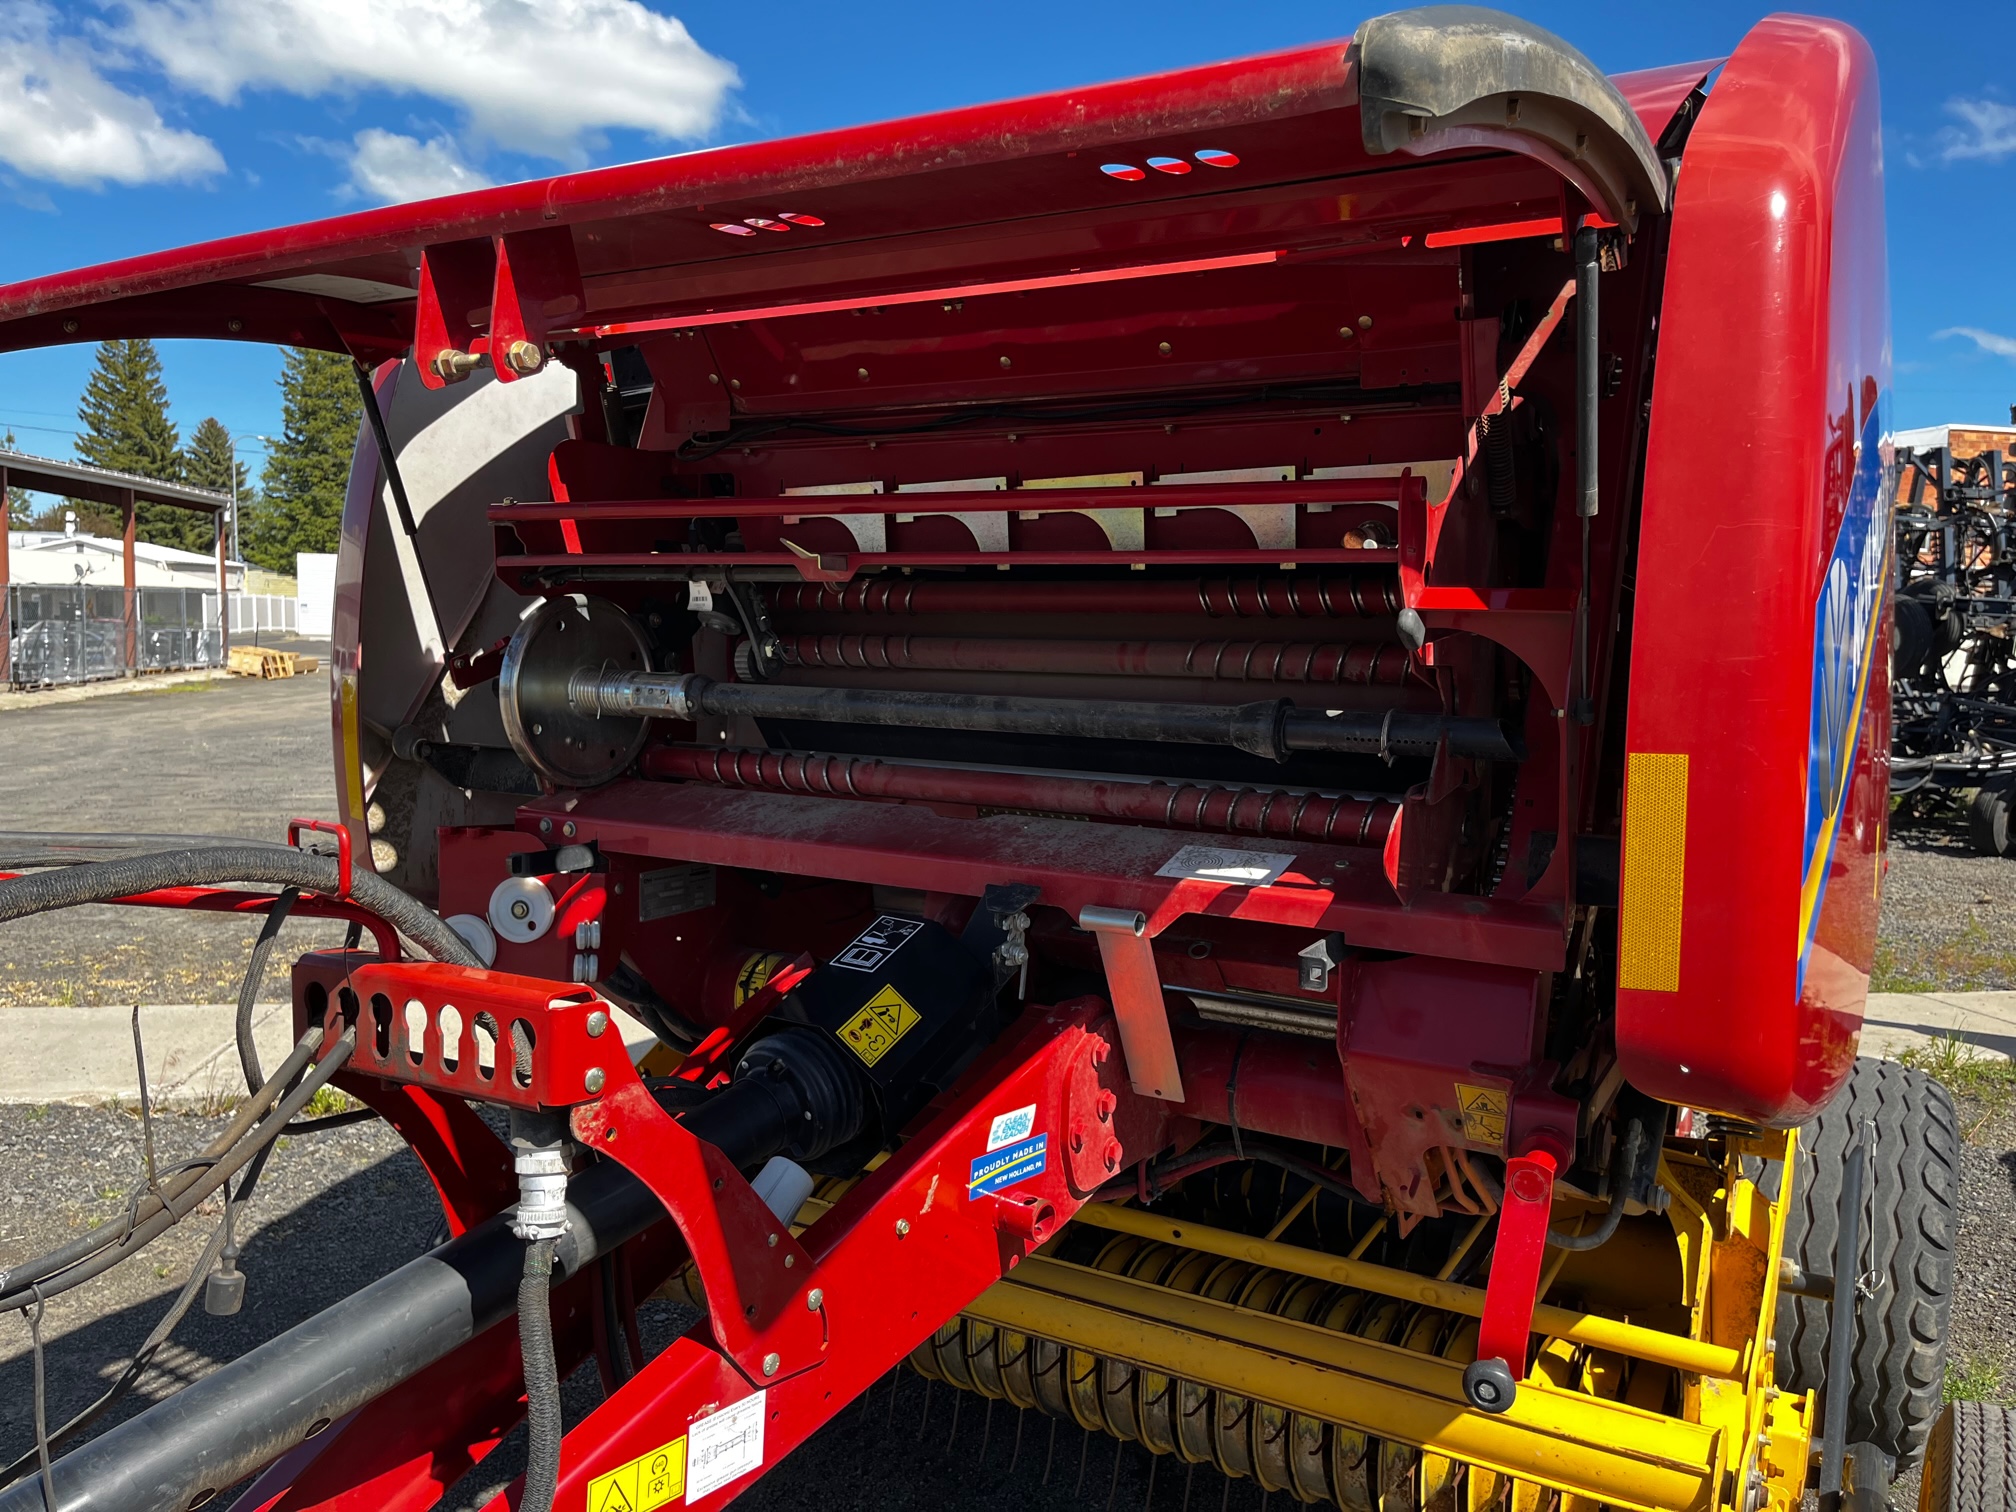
(873, 1032)
(650, 1480)
(1483, 1110)
(1654, 879)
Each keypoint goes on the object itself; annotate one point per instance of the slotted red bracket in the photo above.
(405, 1033)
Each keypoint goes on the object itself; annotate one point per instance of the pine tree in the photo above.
(126, 428)
(208, 462)
(301, 488)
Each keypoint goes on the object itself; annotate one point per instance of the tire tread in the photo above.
(1970, 1460)
(1900, 1351)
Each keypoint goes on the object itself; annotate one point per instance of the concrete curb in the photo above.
(1897, 1021)
(55, 1054)
(153, 682)
(85, 1055)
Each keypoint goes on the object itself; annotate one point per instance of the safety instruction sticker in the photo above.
(650, 1480)
(883, 1020)
(1217, 863)
(1009, 1127)
(877, 943)
(1483, 1111)
(1004, 1168)
(725, 1445)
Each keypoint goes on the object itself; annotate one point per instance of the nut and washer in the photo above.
(598, 1024)
(770, 1364)
(815, 1299)
(594, 1080)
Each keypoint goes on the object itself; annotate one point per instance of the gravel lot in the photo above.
(1949, 915)
(218, 758)
(342, 1208)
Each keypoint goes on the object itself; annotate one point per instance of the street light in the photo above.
(238, 555)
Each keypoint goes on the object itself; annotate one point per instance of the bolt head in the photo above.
(595, 1079)
(1111, 1157)
(567, 829)
(524, 357)
(902, 1227)
(1107, 1103)
(815, 1299)
(771, 1363)
(545, 826)
(598, 1024)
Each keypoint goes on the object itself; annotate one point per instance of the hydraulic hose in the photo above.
(232, 1422)
(542, 1378)
(175, 1186)
(102, 881)
(255, 975)
(1620, 1186)
(136, 1236)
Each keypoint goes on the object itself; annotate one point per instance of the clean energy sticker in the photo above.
(877, 943)
(1009, 1127)
(884, 1019)
(724, 1446)
(1004, 1168)
(650, 1480)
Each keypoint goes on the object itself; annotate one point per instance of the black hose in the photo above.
(21, 849)
(101, 881)
(247, 1113)
(135, 1237)
(542, 1378)
(255, 975)
(1621, 1181)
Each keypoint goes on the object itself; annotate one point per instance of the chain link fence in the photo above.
(78, 633)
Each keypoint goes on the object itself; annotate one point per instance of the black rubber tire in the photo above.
(1988, 820)
(1970, 1462)
(1900, 1347)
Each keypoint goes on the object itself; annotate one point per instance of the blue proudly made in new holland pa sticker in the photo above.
(1004, 1167)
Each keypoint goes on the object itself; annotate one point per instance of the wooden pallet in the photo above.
(257, 661)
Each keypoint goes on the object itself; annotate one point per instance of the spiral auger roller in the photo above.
(1305, 1457)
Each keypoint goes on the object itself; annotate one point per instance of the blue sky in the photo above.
(132, 125)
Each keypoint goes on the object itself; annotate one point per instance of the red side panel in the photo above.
(1758, 726)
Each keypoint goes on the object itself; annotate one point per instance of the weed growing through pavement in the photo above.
(328, 1100)
(1988, 1081)
(1974, 1379)
(1972, 960)
(66, 994)
(39, 1112)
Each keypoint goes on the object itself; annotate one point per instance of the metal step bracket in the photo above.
(1135, 990)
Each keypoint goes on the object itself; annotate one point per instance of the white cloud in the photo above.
(389, 167)
(62, 119)
(1988, 131)
(537, 76)
(1988, 341)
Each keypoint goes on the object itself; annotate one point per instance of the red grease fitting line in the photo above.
(1362, 662)
(1358, 595)
(950, 291)
(1239, 811)
(1467, 236)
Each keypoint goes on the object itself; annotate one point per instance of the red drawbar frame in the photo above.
(803, 1320)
